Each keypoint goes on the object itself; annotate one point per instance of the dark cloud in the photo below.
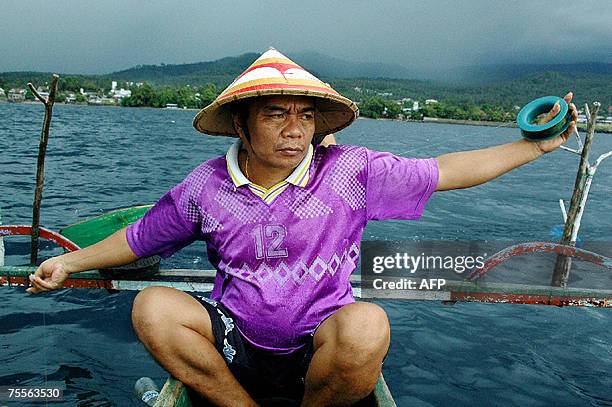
(103, 36)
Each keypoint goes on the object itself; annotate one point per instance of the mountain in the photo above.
(587, 87)
(223, 66)
(499, 84)
(330, 67)
(484, 74)
(223, 70)
(220, 72)
(226, 69)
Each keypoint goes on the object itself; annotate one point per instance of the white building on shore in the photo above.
(16, 95)
(118, 94)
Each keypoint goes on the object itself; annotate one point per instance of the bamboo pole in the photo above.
(40, 173)
(1, 246)
(563, 264)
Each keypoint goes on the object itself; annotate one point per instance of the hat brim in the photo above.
(333, 112)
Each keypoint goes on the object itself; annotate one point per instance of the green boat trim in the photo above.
(93, 230)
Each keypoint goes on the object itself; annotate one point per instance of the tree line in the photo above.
(146, 95)
(377, 97)
(371, 104)
(377, 107)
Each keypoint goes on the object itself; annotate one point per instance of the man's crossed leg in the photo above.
(349, 348)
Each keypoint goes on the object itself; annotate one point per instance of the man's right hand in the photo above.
(110, 252)
(49, 276)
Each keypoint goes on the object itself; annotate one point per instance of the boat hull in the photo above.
(176, 394)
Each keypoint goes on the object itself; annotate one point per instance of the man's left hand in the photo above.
(546, 146)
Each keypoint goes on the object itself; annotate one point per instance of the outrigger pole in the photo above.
(40, 172)
(1, 245)
(584, 178)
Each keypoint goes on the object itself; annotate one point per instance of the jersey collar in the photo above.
(299, 177)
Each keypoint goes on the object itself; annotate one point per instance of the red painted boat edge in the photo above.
(26, 230)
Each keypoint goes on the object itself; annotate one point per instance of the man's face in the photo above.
(281, 128)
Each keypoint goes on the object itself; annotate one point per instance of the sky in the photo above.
(103, 36)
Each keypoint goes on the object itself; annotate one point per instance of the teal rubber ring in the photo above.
(538, 132)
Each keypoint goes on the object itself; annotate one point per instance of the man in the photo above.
(282, 217)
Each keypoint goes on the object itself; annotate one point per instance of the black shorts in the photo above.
(263, 374)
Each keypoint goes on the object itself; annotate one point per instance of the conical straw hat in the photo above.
(275, 74)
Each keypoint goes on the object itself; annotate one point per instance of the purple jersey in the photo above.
(284, 259)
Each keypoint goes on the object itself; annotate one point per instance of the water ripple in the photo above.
(101, 159)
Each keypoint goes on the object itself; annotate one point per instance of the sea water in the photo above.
(103, 158)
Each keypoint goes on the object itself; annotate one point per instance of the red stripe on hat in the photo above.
(280, 86)
(282, 67)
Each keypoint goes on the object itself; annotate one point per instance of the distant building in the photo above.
(16, 95)
(2, 93)
(117, 95)
(430, 101)
(71, 98)
(100, 101)
(113, 86)
(415, 106)
(107, 101)
(42, 93)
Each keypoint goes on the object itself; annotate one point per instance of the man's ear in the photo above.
(237, 122)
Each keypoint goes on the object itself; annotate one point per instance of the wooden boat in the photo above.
(146, 272)
(175, 394)
(196, 280)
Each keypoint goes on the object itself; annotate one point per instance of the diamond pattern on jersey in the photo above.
(193, 189)
(343, 176)
(316, 161)
(282, 273)
(239, 205)
(306, 206)
(209, 223)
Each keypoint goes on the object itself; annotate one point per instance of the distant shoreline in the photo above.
(599, 128)
(469, 122)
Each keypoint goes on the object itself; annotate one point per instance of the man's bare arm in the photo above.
(110, 252)
(470, 168)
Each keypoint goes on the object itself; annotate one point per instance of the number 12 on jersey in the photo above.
(269, 241)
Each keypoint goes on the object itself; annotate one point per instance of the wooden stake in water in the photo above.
(40, 173)
(572, 224)
(1, 246)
